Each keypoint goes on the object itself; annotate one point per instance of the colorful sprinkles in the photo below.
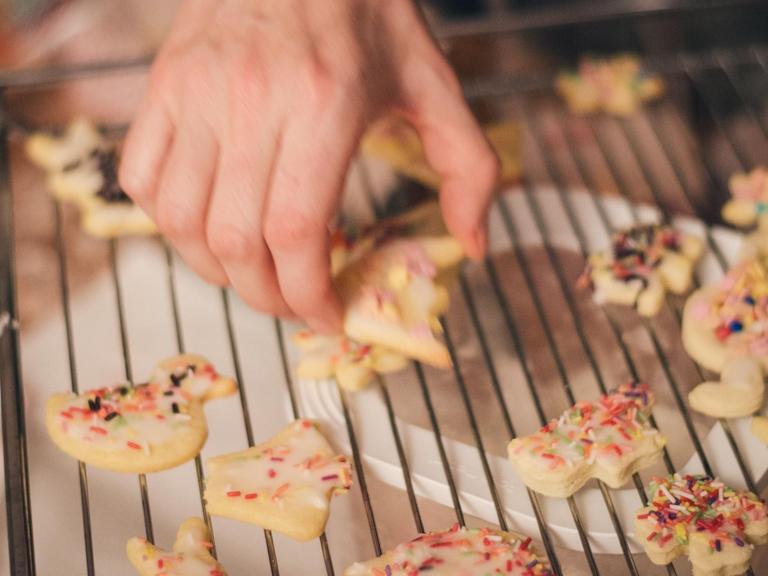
(738, 314)
(681, 505)
(609, 428)
(460, 551)
(134, 417)
(635, 255)
(299, 463)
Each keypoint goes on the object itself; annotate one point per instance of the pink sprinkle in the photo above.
(330, 477)
(251, 495)
(234, 493)
(271, 473)
(277, 459)
(701, 310)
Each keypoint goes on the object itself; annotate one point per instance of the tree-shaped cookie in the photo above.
(352, 365)
(748, 204)
(610, 439)
(191, 554)
(284, 484)
(714, 525)
(615, 85)
(643, 263)
(725, 329)
(81, 168)
(143, 428)
(458, 551)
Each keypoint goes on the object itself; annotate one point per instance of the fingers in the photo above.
(182, 198)
(234, 229)
(458, 151)
(144, 152)
(306, 186)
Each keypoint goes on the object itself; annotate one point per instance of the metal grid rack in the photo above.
(717, 83)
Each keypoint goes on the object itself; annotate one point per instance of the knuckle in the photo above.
(177, 220)
(249, 79)
(289, 230)
(229, 244)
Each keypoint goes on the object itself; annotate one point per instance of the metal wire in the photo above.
(180, 348)
(65, 304)
(273, 564)
(149, 532)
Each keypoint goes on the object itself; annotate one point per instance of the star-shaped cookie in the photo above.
(143, 428)
(716, 526)
(725, 329)
(610, 439)
(643, 263)
(81, 167)
(749, 198)
(458, 551)
(352, 365)
(615, 85)
(284, 484)
(191, 554)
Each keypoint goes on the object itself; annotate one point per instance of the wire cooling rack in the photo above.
(525, 344)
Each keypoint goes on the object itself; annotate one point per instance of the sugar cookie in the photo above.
(615, 85)
(396, 142)
(725, 329)
(191, 555)
(352, 365)
(284, 484)
(644, 262)
(714, 525)
(142, 428)
(610, 439)
(458, 551)
(749, 198)
(81, 168)
(760, 428)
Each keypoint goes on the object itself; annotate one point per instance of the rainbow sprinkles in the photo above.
(458, 551)
(609, 439)
(715, 525)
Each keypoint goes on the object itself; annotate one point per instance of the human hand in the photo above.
(254, 110)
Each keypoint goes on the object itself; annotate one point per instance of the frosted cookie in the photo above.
(749, 198)
(714, 525)
(643, 263)
(391, 281)
(610, 439)
(352, 365)
(458, 551)
(396, 142)
(760, 428)
(725, 329)
(142, 428)
(191, 554)
(81, 168)
(284, 484)
(615, 85)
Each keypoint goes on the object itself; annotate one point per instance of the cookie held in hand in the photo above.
(191, 554)
(81, 167)
(284, 484)
(610, 439)
(714, 525)
(615, 85)
(458, 551)
(644, 262)
(143, 428)
(352, 365)
(725, 329)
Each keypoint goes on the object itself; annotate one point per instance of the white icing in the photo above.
(301, 466)
(144, 415)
